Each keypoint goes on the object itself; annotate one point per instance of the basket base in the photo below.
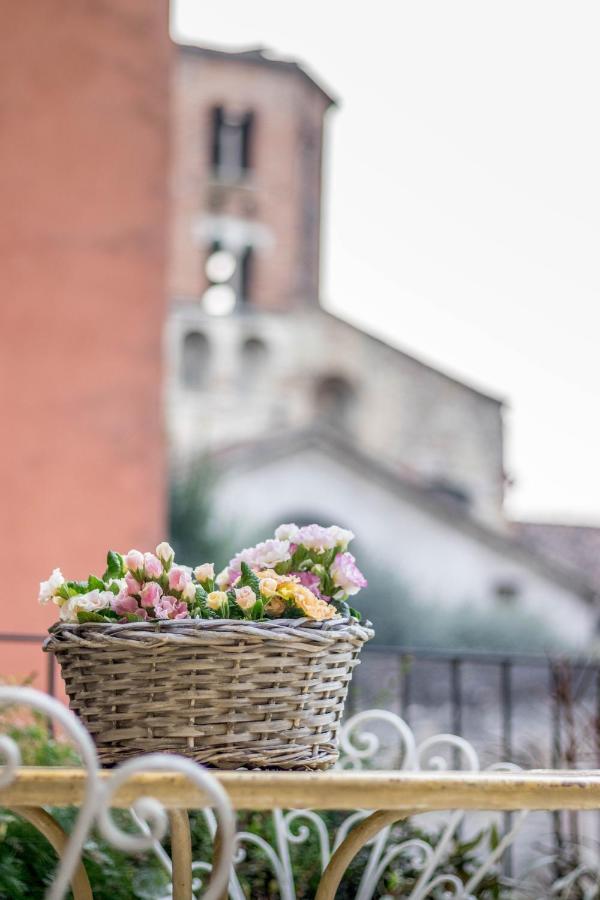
(236, 761)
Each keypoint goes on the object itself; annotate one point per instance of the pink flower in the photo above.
(287, 532)
(311, 581)
(152, 566)
(245, 598)
(315, 537)
(170, 608)
(318, 538)
(205, 572)
(134, 560)
(133, 585)
(265, 555)
(124, 603)
(150, 594)
(346, 574)
(179, 577)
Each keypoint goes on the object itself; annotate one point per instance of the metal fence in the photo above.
(492, 698)
(535, 711)
(497, 699)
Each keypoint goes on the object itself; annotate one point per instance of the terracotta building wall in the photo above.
(281, 194)
(83, 163)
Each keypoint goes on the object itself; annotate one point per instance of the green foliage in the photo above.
(193, 531)
(27, 863)
(115, 566)
(95, 584)
(402, 620)
(249, 579)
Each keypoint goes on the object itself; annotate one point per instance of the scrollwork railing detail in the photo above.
(149, 814)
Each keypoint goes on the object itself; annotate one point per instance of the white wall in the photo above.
(404, 412)
(433, 557)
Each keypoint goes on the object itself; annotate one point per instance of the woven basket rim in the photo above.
(304, 622)
(166, 626)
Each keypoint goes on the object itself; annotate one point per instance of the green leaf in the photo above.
(90, 617)
(258, 610)
(355, 613)
(77, 587)
(301, 554)
(464, 847)
(329, 556)
(201, 594)
(110, 614)
(249, 579)
(95, 583)
(115, 567)
(114, 588)
(342, 607)
(63, 592)
(494, 837)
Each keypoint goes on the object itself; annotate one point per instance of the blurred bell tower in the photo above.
(245, 182)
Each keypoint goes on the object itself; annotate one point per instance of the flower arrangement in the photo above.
(300, 572)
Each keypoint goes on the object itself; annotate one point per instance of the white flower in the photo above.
(205, 572)
(247, 555)
(49, 588)
(341, 536)
(93, 601)
(68, 611)
(288, 532)
(189, 592)
(269, 553)
(165, 553)
(315, 537)
(222, 579)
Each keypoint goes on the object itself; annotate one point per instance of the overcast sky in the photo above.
(463, 198)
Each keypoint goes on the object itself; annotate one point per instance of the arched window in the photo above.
(194, 359)
(334, 399)
(254, 354)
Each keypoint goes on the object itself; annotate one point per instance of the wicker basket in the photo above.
(223, 692)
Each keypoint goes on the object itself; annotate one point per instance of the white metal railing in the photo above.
(179, 784)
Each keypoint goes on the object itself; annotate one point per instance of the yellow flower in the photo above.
(268, 587)
(271, 573)
(306, 602)
(216, 599)
(287, 589)
(275, 607)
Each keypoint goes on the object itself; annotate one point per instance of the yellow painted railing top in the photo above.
(419, 791)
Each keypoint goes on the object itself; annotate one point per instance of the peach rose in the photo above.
(245, 598)
(268, 587)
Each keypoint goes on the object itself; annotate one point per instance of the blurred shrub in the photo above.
(402, 620)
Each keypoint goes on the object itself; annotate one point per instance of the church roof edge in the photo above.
(263, 56)
(430, 366)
